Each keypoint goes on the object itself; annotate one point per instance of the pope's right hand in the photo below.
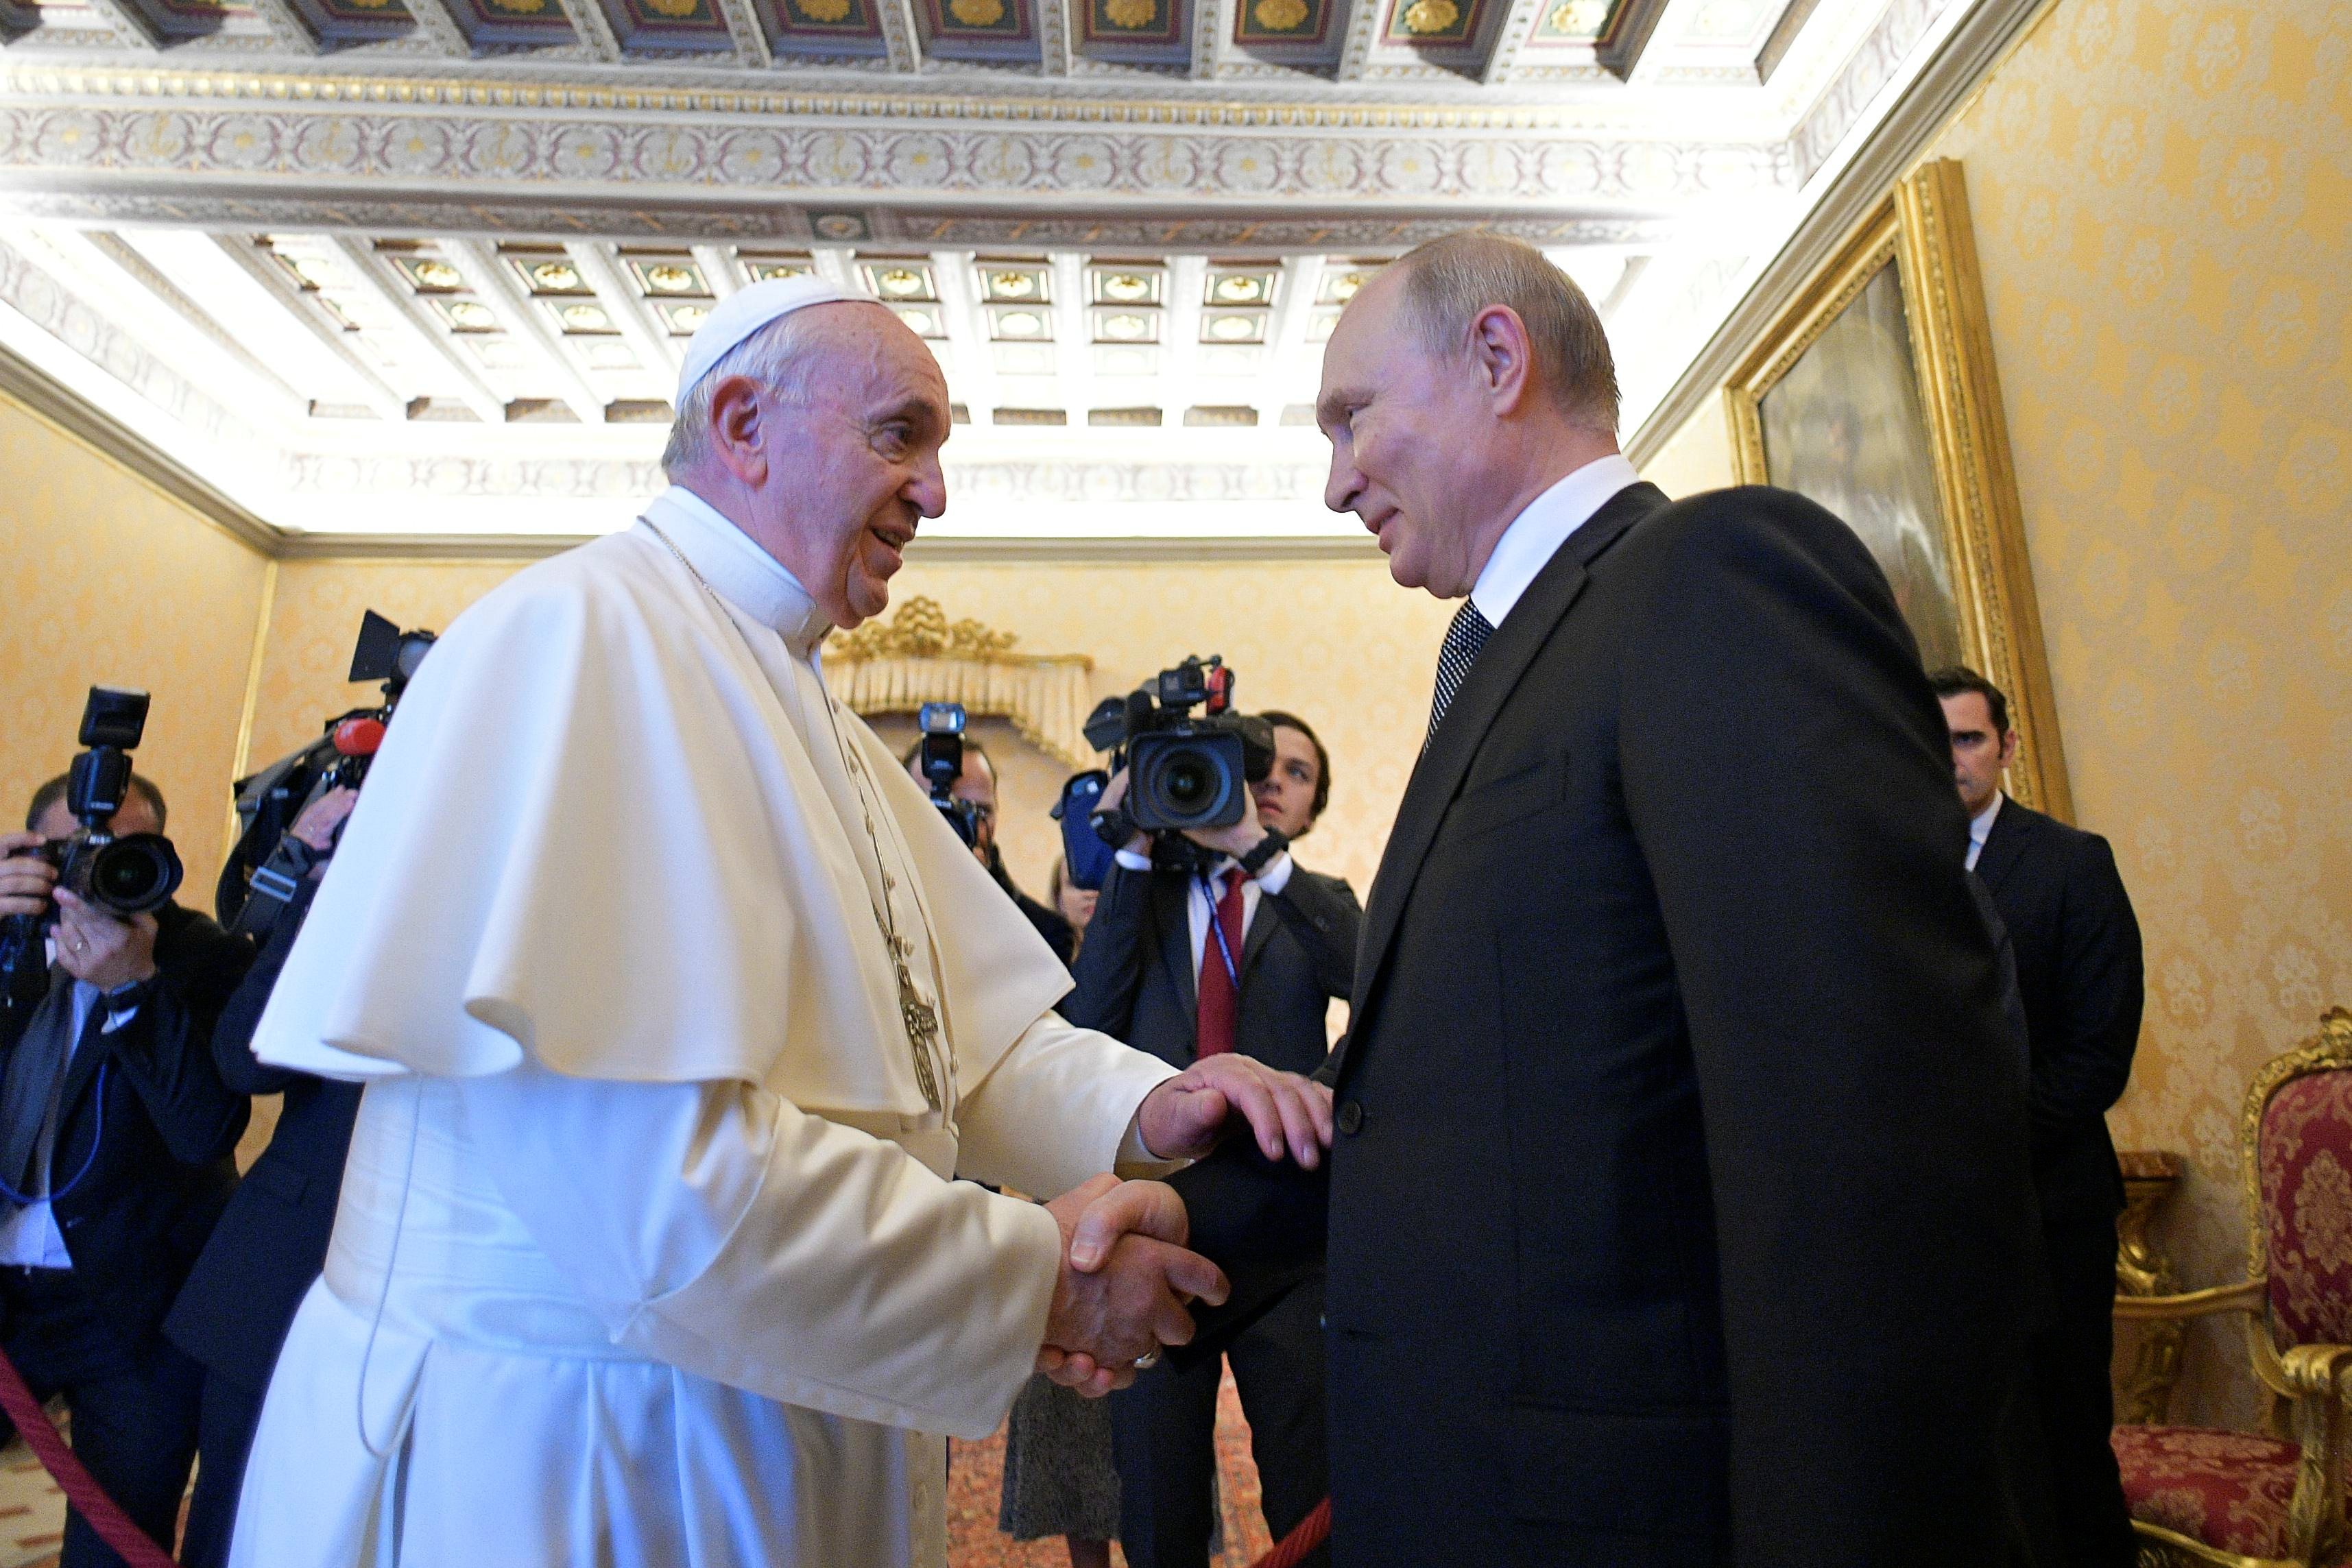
(1124, 1282)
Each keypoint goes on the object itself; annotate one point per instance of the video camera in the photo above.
(267, 864)
(125, 875)
(942, 756)
(1183, 772)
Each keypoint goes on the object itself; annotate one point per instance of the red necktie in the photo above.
(1220, 1001)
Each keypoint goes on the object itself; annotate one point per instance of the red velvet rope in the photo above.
(1292, 1549)
(81, 1489)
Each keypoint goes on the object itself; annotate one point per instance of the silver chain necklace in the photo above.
(920, 1019)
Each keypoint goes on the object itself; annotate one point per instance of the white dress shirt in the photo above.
(1536, 535)
(1980, 829)
(1273, 879)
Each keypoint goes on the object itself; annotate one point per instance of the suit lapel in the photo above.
(2004, 846)
(1437, 778)
(1171, 900)
(1261, 929)
(90, 1053)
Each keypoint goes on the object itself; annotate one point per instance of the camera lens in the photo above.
(1188, 783)
(130, 875)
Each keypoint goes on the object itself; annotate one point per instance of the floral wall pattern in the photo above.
(2162, 192)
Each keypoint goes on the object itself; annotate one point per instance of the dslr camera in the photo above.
(1185, 770)
(267, 864)
(124, 874)
(130, 874)
(942, 756)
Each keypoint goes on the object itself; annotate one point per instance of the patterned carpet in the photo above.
(33, 1512)
(976, 1476)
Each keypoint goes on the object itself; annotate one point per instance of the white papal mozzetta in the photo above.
(648, 1252)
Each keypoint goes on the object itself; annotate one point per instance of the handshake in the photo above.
(1126, 1277)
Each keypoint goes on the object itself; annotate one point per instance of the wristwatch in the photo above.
(1263, 854)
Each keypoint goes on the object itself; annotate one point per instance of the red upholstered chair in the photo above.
(2254, 1500)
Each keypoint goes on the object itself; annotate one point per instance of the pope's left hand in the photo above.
(1185, 1116)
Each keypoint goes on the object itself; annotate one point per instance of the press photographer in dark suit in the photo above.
(976, 787)
(2078, 970)
(1680, 1210)
(115, 1124)
(240, 1298)
(1172, 971)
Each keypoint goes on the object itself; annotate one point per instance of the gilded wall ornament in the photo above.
(1426, 16)
(977, 12)
(822, 10)
(675, 8)
(1129, 14)
(1279, 16)
(920, 630)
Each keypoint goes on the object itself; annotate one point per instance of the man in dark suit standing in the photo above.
(2078, 971)
(115, 1141)
(271, 1242)
(1172, 970)
(1680, 1212)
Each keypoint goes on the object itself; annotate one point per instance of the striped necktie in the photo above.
(1462, 640)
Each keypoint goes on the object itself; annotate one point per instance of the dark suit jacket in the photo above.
(163, 1128)
(2078, 968)
(239, 1299)
(1681, 1210)
(1136, 980)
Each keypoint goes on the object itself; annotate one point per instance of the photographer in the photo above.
(240, 1298)
(1171, 971)
(976, 787)
(116, 1136)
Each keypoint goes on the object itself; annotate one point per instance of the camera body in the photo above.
(942, 725)
(1185, 770)
(130, 873)
(265, 865)
(125, 875)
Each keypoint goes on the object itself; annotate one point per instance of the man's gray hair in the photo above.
(781, 356)
(1448, 281)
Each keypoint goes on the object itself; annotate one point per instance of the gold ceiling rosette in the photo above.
(920, 656)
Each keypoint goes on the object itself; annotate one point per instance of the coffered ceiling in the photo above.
(426, 266)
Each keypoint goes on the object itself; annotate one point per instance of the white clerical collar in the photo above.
(1536, 534)
(742, 573)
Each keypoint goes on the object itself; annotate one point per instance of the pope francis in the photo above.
(680, 1008)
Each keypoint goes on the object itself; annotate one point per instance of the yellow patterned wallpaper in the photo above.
(2162, 192)
(1339, 643)
(111, 581)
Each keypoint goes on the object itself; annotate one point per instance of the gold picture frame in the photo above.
(1922, 471)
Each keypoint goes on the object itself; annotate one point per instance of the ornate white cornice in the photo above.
(441, 147)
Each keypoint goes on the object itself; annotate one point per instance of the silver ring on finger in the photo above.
(1146, 1362)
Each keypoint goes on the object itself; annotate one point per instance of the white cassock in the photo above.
(648, 1252)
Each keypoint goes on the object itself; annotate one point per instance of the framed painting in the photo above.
(1874, 393)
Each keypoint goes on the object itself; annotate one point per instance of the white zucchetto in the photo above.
(747, 310)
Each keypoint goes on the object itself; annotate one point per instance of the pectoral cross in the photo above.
(922, 1021)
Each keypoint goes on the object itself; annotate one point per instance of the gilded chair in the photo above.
(2253, 1500)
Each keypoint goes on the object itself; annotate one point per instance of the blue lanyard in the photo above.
(1217, 928)
(97, 1137)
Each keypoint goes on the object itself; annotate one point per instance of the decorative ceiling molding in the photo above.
(185, 152)
(1017, 101)
(929, 227)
